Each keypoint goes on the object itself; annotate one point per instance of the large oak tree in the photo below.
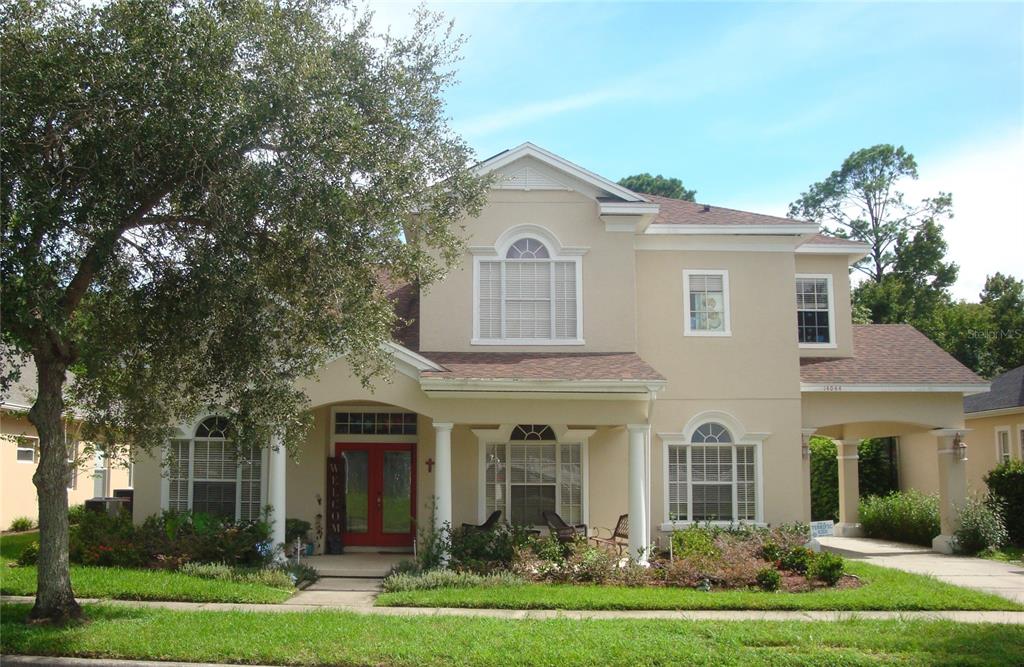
(199, 200)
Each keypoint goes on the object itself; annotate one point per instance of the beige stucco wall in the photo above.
(17, 492)
(609, 313)
(879, 414)
(838, 267)
(919, 469)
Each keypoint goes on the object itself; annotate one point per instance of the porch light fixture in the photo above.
(960, 447)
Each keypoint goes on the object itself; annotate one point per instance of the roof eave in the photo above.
(838, 386)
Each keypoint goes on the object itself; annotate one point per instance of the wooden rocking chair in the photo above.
(619, 539)
(560, 529)
(485, 527)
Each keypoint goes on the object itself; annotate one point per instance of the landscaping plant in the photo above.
(981, 526)
(21, 524)
(905, 516)
(769, 579)
(826, 567)
(1006, 482)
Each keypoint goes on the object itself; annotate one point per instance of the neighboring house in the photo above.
(19, 455)
(597, 352)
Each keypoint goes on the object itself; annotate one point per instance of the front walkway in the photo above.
(1004, 579)
(1001, 617)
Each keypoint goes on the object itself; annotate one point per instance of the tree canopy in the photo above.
(658, 185)
(200, 202)
(861, 201)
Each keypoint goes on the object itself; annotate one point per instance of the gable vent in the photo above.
(529, 178)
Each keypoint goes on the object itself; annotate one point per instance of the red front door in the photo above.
(378, 483)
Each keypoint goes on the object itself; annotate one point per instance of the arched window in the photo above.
(711, 432)
(528, 296)
(209, 474)
(710, 478)
(532, 432)
(527, 249)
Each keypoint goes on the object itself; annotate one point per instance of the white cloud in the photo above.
(986, 234)
(986, 179)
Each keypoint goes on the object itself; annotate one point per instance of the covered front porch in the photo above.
(378, 468)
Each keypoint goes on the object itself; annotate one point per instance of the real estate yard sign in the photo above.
(822, 529)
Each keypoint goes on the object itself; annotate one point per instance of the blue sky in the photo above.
(750, 103)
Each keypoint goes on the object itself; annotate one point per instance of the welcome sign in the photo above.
(822, 529)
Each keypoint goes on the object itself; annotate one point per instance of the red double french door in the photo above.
(379, 488)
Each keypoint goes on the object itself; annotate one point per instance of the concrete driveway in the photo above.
(1005, 579)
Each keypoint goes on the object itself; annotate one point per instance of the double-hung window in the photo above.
(1003, 453)
(706, 303)
(711, 478)
(815, 314)
(528, 297)
(208, 474)
(27, 448)
(533, 473)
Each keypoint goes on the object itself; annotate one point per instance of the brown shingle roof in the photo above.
(679, 212)
(889, 354)
(826, 239)
(541, 366)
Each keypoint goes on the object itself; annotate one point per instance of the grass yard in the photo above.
(883, 589)
(131, 584)
(340, 638)
(1006, 554)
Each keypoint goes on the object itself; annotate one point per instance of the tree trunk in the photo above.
(55, 601)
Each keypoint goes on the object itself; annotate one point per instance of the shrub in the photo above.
(826, 567)
(771, 552)
(1006, 482)
(589, 564)
(634, 574)
(796, 559)
(167, 540)
(29, 555)
(296, 529)
(21, 524)
(75, 514)
(275, 577)
(486, 551)
(769, 579)
(874, 474)
(905, 516)
(981, 526)
(435, 579)
(695, 542)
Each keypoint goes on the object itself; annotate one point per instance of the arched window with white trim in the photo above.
(711, 477)
(528, 294)
(208, 474)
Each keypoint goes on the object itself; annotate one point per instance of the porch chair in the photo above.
(619, 539)
(563, 531)
(485, 527)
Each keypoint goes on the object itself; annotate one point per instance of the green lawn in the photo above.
(883, 589)
(131, 584)
(340, 638)
(1006, 554)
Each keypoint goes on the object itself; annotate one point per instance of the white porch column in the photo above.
(442, 474)
(849, 490)
(952, 486)
(276, 482)
(638, 519)
(805, 470)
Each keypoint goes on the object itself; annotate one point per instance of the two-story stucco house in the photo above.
(597, 352)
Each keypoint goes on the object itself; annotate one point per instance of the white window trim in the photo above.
(502, 436)
(19, 447)
(831, 312)
(1009, 443)
(726, 308)
(496, 253)
(188, 432)
(740, 437)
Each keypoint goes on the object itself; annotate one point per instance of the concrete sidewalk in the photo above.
(1004, 579)
(1001, 617)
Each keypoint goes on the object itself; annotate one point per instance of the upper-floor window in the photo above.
(815, 311)
(706, 303)
(528, 295)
